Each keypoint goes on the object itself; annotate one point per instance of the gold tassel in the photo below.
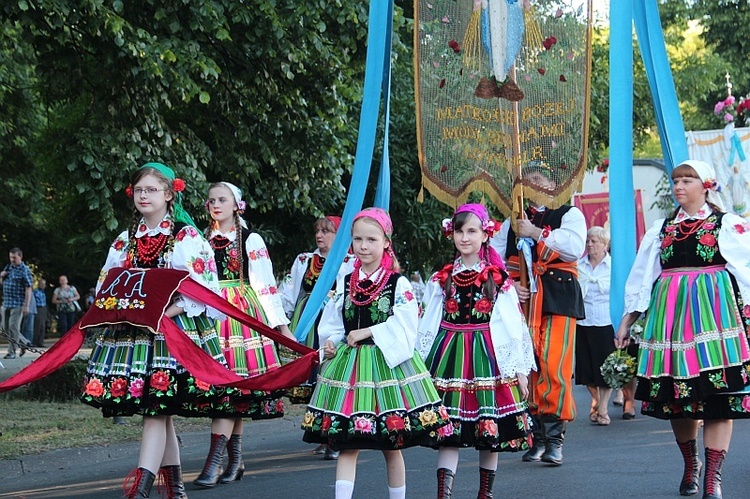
(532, 36)
(472, 46)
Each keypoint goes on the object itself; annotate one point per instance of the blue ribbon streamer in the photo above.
(736, 147)
(377, 64)
(524, 245)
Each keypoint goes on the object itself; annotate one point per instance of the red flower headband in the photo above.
(178, 185)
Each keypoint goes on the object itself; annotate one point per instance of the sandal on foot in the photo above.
(594, 414)
(603, 420)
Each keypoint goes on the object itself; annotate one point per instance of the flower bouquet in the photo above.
(618, 368)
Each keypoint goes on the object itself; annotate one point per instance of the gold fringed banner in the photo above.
(481, 118)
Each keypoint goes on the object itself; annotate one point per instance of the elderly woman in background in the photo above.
(595, 334)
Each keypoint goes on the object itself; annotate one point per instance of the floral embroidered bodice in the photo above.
(466, 303)
(691, 242)
(376, 312)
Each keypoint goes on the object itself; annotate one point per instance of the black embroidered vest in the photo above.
(376, 312)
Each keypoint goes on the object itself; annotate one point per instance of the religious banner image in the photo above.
(500, 84)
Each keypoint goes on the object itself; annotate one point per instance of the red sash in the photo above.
(539, 268)
(140, 297)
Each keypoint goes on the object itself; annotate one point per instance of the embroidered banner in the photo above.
(501, 83)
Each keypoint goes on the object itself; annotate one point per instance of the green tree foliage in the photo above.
(264, 94)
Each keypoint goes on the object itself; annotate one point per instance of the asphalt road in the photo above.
(636, 458)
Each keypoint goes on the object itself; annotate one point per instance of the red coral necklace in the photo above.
(219, 243)
(371, 291)
(687, 229)
(468, 280)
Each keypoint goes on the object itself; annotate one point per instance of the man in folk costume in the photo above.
(557, 239)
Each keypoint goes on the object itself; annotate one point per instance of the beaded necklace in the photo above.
(219, 243)
(469, 277)
(371, 291)
(687, 229)
(316, 265)
(146, 249)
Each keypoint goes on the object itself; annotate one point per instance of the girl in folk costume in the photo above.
(131, 370)
(474, 339)
(691, 277)
(246, 280)
(373, 391)
(304, 275)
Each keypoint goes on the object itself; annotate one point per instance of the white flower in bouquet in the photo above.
(618, 368)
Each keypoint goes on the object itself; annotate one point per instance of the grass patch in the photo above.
(31, 427)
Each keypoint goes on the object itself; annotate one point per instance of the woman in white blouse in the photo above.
(595, 334)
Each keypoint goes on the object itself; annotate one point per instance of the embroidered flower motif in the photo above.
(136, 388)
(394, 423)
(428, 417)
(202, 385)
(94, 388)
(308, 419)
(742, 228)
(445, 431)
(279, 405)
(363, 425)
(326, 424)
(746, 403)
(707, 239)
(483, 306)
(451, 306)
(118, 387)
(199, 265)
(118, 245)
(160, 381)
(666, 242)
(487, 428)
(408, 295)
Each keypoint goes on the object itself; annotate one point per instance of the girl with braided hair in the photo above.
(131, 370)
(247, 281)
(476, 344)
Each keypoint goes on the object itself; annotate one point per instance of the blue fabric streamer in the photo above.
(671, 129)
(622, 226)
(378, 63)
(514, 35)
(524, 246)
(736, 147)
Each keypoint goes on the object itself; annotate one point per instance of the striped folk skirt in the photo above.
(487, 411)
(361, 403)
(131, 372)
(693, 357)
(249, 353)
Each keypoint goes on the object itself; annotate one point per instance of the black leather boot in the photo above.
(554, 432)
(486, 480)
(235, 466)
(534, 454)
(171, 476)
(141, 487)
(689, 485)
(712, 478)
(212, 469)
(444, 483)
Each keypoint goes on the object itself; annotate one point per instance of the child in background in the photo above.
(373, 391)
(247, 281)
(475, 341)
